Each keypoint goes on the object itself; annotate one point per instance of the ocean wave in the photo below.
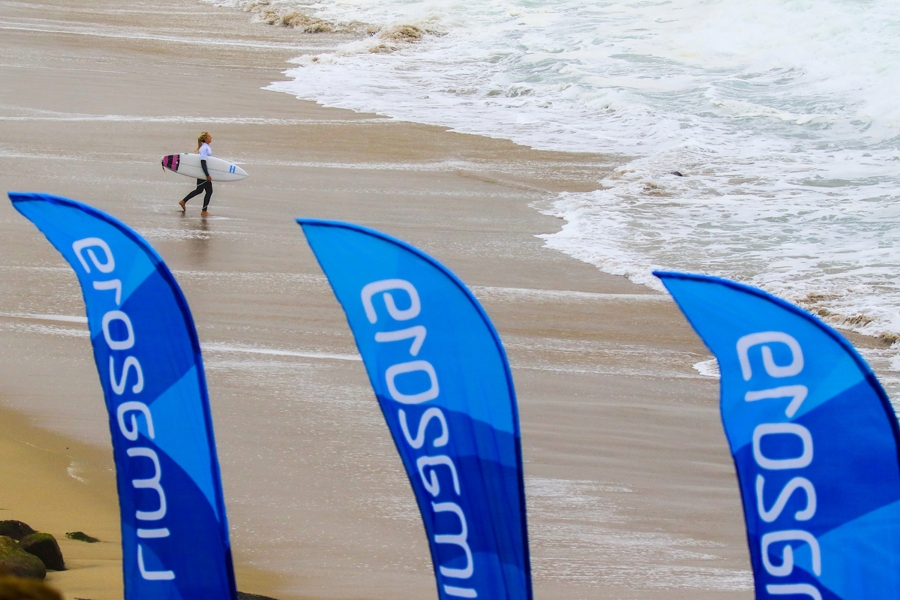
(780, 115)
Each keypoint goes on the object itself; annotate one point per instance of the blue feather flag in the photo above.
(175, 542)
(814, 440)
(442, 380)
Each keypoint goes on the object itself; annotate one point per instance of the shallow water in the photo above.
(313, 483)
(779, 114)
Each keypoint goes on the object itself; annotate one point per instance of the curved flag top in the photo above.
(441, 377)
(814, 440)
(174, 531)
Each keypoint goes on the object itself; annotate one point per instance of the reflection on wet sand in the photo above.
(631, 488)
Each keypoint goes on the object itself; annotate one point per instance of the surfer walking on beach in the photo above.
(203, 185)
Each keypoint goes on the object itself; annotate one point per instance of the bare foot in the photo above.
(181, 204)
(204, 213)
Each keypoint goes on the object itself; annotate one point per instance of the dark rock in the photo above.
(15, 529)
(246, 596)
(45, 547)
(21, 589)
(678, 173)
(16, 561)
(81, 536)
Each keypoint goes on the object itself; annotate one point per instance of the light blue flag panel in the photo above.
(443, 383)
(174, 532)
(814, 440)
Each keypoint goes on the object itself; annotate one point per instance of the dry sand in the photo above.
(631, 487)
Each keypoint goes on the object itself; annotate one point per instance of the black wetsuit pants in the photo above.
(202, 186)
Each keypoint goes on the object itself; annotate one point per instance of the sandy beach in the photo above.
(631, 489)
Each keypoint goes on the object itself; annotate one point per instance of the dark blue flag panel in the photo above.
(814, 440)
(174, 532)
(441, 377)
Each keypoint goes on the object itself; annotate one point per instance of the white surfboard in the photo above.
(189, 165)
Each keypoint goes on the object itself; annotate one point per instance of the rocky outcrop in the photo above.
(15, 587)
(15, 561)
(15, 529)
(81, 536)
(40, 546)
(46, 548)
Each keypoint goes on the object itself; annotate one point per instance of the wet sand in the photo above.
(631, 490)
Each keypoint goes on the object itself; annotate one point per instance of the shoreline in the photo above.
(577, 181)
(631, 489)
(819, 301)
(77, 492)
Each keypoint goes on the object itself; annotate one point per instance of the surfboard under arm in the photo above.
(189, 165)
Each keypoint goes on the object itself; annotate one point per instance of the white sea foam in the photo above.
(68, 117)
(38, 317)
(207, 347)
(95, 30)
(581, 531)
(74, 470)
(242, 349)
(44, 330)
(515, 294)
(781, 115)
(708, 368)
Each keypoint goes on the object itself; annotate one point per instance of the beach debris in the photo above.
(395, 38)
(81, 536)
(15, 529)
(296, 20)
(300, 21)
(15, 561)
(654, 189)
(889, 338)
(46, 548)
(16, 587)
(859, 320)
(403, 33)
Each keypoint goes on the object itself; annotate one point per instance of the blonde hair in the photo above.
(202, 139)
